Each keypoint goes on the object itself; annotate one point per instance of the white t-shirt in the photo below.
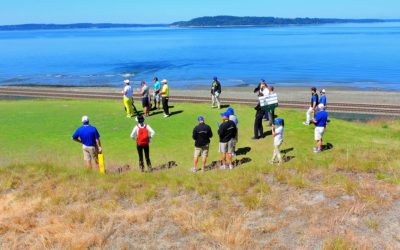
(279, 135)
(234, 119)
(265, 92)
(128, 90)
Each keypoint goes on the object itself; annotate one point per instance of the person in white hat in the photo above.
(127, 92)
(320, 120)
(89, 137)
(165, 97)
(322, 98)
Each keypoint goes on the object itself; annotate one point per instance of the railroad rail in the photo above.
(359, 108)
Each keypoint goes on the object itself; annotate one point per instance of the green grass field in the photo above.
(37, 156)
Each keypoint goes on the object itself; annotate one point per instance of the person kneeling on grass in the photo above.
(277, 133)
(320, 121)
(201, 134)
(142, 133)
(89, 137)
(227, 132)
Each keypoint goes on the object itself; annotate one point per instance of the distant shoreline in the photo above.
(201, 22)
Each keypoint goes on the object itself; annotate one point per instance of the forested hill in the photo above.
(217, 21)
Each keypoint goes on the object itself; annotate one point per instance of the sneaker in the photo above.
(233, 154)
(316, 150)
(305, 123)
(255, 138)
(165, 116)
(271, 162)
(223, 167)
(213, 107)
(230, 167)
(194, 170)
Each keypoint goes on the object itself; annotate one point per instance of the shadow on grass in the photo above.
(175, 112)
(112, 169)
(225, 106)
(326, 147)
(267, 133)
(243, 151)
(236, 163)
(168, 165)
(288, 150)
(288, 158)
(156, 113)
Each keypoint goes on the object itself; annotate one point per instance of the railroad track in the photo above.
(360, 108)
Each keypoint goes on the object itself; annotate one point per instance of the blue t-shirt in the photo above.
(322, 99)
(321, 118)
(314, 98)
(87, 134)
(157, 86)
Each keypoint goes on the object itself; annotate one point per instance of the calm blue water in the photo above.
(355, 55)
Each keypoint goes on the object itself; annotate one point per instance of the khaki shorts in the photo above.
(89, 153)
(203, 151)
(319, 133)
(227, 147)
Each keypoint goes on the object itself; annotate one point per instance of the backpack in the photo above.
(143, 136)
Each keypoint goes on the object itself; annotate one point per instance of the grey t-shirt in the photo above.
(145, 91)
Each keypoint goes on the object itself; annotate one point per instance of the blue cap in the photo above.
(231, 111)
(200, 118)
(215, 78)
(225, 114)
(279, 121)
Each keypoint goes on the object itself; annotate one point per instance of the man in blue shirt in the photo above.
(314, 103)
(322, 99)
(89, 137)
(156, 94)
(320, 121)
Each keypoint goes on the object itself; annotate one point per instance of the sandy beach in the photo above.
(302, 94)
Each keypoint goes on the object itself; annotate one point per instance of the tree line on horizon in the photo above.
(207, 21)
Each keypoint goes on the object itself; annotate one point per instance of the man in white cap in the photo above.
(89, 137)
(165, 97)
(127, 92)
(322, 98)
(320, 120)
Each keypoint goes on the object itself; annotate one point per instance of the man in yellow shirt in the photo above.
(127, 92)
(165, 97)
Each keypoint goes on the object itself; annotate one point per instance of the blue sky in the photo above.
(166, 11)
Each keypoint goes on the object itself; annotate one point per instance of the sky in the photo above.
(168, 11)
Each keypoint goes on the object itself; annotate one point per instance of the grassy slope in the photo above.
(38, 156)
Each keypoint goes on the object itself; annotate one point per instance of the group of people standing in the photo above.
(160, 94)
(317, 114)
(142, 133)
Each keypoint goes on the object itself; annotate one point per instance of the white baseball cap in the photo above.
(322, 91)
(126, 81)
(164, 81)
(321, 106)
(85, 119)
